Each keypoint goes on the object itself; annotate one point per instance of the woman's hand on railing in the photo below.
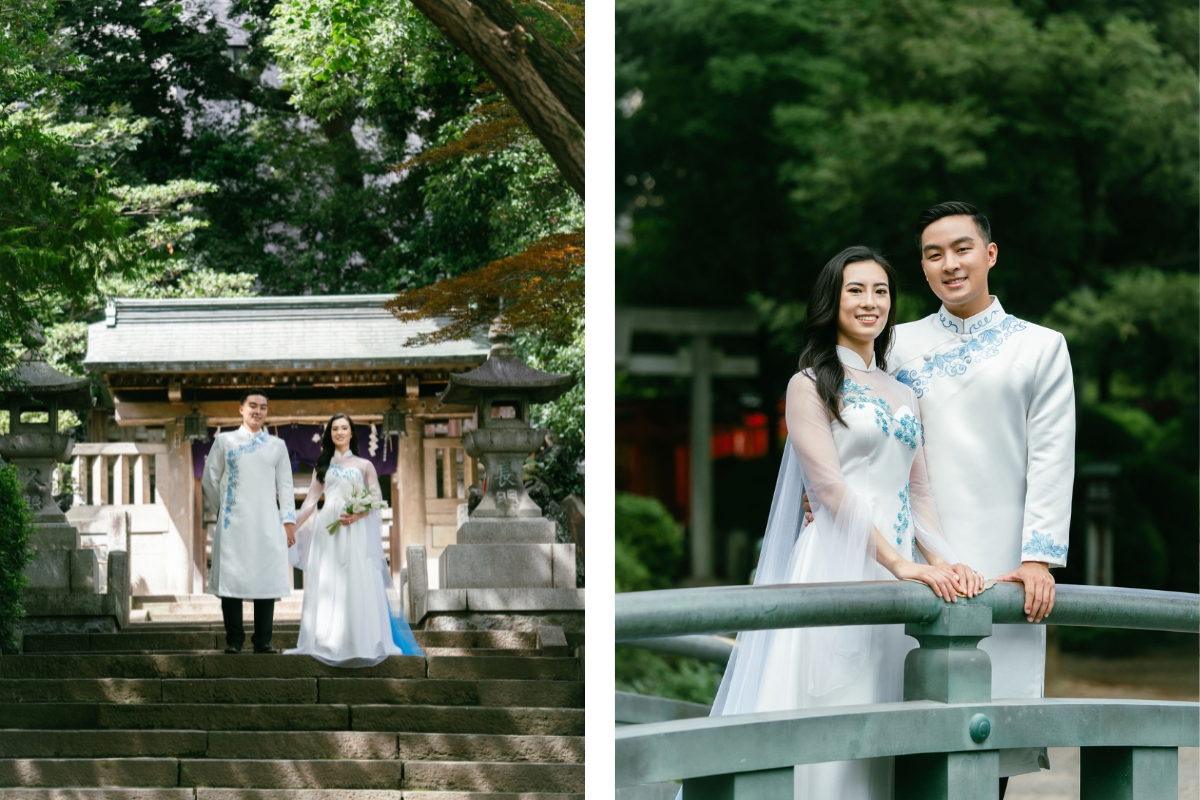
(971, 580)
(944, 582)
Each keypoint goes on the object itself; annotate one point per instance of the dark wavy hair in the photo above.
(327, 450)
(953, 208)
(821, 326)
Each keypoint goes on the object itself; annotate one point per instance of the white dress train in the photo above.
(348, 618)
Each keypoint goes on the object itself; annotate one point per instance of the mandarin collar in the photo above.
(261, 431)
(853, 360)
(984, 319)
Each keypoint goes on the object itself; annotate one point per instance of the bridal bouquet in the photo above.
(359, 500)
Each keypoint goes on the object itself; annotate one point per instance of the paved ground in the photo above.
(1170, 675)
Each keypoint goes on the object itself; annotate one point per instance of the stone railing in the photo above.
(945, 736)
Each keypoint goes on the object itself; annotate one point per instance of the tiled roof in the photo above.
(329, 332)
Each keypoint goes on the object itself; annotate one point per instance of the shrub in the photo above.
(16, 525)
(649, 544)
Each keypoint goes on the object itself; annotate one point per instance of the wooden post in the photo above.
(120, 474)
(410, 481)
(79, 470)
(1128, 773)
(397, 550)
(100, 481)
(161, 473)
(141, 479)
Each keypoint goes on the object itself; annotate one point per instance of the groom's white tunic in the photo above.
(998, 404)
(243, 476)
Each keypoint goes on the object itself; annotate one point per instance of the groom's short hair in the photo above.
(953, 208)
(249, 392)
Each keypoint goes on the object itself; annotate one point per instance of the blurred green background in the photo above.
(755, 139)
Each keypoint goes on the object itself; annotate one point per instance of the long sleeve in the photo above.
(809, 432)
(283, 485)
(927, 526)
(309, 507)
(1050, 470)
(210, 482)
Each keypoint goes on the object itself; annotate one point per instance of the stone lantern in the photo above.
(35, 447)
(64, 589)
(505, 546)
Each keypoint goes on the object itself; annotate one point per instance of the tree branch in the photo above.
(504, 52)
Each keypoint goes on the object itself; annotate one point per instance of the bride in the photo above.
(347, 619)
(855, 446)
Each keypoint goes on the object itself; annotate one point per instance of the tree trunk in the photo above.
(528, 73)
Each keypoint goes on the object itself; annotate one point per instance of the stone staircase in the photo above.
(157, 711)
(202, 608)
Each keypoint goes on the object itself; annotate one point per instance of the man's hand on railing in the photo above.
(1039, 588)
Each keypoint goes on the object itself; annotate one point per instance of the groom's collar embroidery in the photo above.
(984, 319)
(854, 360)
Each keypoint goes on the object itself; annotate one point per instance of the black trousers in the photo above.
(1003, 781)
(235, 632)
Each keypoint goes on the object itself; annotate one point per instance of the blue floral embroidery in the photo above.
(983, 322)
(909, 431)
(1042, 544)
(948, 323)
(348, 473)
(953, 363)
(231, 467)
(904, 518)
(854, 396)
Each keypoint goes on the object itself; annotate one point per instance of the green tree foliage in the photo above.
(16, 525)
(69, 223)
(757, 139)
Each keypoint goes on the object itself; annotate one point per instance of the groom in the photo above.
(998, 403)
(248, 478)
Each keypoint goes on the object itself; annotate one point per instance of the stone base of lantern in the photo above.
(551, 565)
(65, 592)
(507, 566)
(509, 530)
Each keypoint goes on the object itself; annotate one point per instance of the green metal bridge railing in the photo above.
(946, 735)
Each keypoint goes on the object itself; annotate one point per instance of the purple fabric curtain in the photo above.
(304, 446)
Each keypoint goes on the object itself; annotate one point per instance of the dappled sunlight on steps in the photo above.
(159, 712)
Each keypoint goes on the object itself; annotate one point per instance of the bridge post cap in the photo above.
(980, 727)
(955, 620)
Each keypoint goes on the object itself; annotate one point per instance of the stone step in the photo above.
(304, 745)
(102, 744)
(215, 665)
(481, 652)
(432, 691)
(78, 793)
(214, 641)
(233, 717)
(344, 691)
(502, 667)
(468, 719)
(175, 716)
(145, 642)
(491, 747)
(123, 772)
(290, 617)
(465, 776)
(291, 774)
(422, 795)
